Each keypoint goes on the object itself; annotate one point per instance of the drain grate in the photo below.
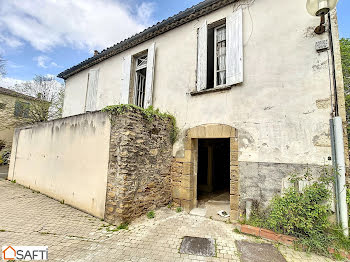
(198, 246)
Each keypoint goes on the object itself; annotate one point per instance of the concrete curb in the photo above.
(266, 234)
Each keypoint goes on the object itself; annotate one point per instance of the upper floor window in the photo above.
(220, 53)
(140, 80)
(220, 56)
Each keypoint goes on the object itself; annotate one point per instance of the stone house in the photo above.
(252, 88)
(14, 110)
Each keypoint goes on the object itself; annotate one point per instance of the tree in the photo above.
(2, 66)
(49, 94)
(345, 57)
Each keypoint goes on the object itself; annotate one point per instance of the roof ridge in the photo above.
(10, 92)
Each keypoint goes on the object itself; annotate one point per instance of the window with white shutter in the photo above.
(144, 78)
(220, 53)
(138, 78)
(202, 57)
(234, 36)
(220, 56)
(125, 87)
(91, 93)
(150, 76)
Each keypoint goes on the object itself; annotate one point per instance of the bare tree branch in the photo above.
(50, 94)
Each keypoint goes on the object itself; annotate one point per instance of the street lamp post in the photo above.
(321, 8)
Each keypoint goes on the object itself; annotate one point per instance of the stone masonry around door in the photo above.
(184, 170)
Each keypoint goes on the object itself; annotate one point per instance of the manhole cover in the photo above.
(198, 246)
(258, 252)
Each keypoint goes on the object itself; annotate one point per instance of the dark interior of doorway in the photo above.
(213, 169)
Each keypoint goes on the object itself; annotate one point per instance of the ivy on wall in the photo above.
(148, 113)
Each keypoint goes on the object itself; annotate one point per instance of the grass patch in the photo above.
(110, 228)
(123, 226)
(2, 230)
(13, 181)
(62, 201)
(151, 214)
(178, 209)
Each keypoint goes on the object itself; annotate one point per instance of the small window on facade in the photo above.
(220, 52)
(21, 109)
(140, 80)
(220, 56)
(216, 57)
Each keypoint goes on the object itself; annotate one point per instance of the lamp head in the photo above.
(320, 7)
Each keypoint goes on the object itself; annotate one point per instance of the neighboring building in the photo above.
(250, 87)
(14, 112)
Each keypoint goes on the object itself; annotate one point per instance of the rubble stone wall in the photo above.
(139, 166)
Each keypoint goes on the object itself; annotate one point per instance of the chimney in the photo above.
(95, 53)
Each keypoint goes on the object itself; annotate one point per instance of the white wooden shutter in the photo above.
(202, 46)
(91, 95)
(125, 87)
(149, 76)
(234, 51)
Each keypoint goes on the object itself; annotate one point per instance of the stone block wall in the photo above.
(260, 182)
(139, 166)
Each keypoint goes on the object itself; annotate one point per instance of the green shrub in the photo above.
(301, 214)
(304, 215)
(258, 216)
(178, 209)
(150, 214)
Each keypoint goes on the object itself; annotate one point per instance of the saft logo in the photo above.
(25, 252)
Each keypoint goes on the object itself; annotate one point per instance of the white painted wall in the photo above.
(66, 159)
(275, 108)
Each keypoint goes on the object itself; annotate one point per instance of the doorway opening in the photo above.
(213, 178)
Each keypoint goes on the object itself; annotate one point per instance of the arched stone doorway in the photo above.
(185, 171)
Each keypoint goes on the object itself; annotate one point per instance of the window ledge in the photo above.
(211, 90)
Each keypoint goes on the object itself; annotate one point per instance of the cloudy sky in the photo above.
(40, 37)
